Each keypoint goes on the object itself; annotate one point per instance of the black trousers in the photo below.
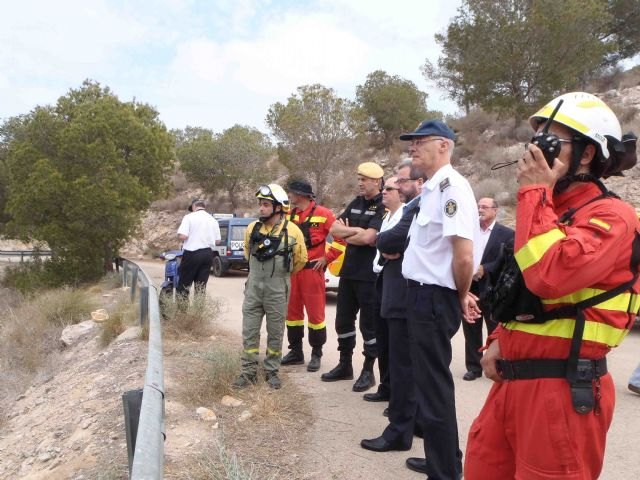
(195, 268)
(434, 318)
(382, 343)
(403, 403)
(354, 296)
(473, 342)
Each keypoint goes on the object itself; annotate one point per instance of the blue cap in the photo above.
(430, 128)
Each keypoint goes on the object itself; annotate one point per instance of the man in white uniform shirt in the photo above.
(438, 265)
(199, 231)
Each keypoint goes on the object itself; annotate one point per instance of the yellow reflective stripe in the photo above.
(338, 246)
(273, 352)
(536, 247)
(600, 223)
(318, 219)
(252, 350)
(294, 218)
(563, 328)
(560, 117)
(625, 302)
(317, 326)
(295, 323)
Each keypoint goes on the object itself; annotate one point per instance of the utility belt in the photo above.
(587, 374)
(309, 265)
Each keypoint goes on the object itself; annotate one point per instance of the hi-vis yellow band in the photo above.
(536, 247)
(273, 353)
(600, 223)
(252, 350)
(317, 326)
(295, 323)
(563, 328)
(625, 302)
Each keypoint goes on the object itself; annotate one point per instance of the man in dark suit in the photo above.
(487, 246)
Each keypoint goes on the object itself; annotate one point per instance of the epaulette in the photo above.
(444, 184)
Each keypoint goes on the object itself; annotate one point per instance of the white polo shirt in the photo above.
(201, 229)
(447, 208)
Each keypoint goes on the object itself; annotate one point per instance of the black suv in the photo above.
(230, 252)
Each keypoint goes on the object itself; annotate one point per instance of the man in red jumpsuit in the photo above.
(308, 286)
(548, 413)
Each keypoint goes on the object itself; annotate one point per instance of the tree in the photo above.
(231, 161)
(506, 55)
(392, 105)
(81, 172)
(316, 134)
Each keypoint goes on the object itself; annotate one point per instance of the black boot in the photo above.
(294, 357)
(344, 371)
(314, 363)
(367, 379)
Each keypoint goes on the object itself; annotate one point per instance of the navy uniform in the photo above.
(356, 288)
(447, 209)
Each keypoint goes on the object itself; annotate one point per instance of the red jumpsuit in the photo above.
(528, 429)
(308, 285)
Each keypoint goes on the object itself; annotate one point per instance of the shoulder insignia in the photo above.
(444, 184)
(450, 208)
(600, 223)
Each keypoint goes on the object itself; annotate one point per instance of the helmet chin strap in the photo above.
(273, 214)
(563, 182)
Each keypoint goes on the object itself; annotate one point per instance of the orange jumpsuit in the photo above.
(308, 285)
(528, 429)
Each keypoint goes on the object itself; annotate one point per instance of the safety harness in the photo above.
(509, 299)
(264, 246)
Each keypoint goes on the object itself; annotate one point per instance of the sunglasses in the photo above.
(388, 189)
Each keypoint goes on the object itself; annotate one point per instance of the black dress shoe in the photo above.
(381, 445)
(417, 464)
(376, 397)
(469, 376)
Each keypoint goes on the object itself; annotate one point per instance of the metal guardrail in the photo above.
(25, 253)
(144, 409)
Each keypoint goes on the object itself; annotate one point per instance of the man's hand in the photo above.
(320, 263)
(470, 309)
(479, 273)
(488, 361)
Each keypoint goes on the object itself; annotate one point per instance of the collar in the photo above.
(490, 227)
(378, 197)
(576, 196)
(440, 175)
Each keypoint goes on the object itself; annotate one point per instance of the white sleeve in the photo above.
(184, 226)
(460, 214)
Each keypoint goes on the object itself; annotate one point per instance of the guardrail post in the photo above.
(144, 305)
(134, 283)
(132, 402)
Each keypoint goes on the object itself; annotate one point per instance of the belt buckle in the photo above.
(585, 371)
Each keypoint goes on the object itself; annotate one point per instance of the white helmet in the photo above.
(586, 114)
(274, 193)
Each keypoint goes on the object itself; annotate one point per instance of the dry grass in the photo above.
(189, 319)
(121, 315)
(65, 306)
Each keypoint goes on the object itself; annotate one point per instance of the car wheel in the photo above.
(218, 268)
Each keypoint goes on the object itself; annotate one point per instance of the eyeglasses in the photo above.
(388, 189)
(484, 207)
(420, 141)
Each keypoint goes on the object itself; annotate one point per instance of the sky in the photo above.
(215, 63)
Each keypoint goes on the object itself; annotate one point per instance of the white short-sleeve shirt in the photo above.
(447, 208)
(201, 229)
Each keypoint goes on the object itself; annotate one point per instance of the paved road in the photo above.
(342, 418)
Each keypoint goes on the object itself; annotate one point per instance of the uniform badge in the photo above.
(444, 184)
(450, 208)
(266, 242)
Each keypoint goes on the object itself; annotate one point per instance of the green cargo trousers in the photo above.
(266, 295)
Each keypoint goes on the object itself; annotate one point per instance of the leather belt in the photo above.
(413, 283)
(550, 368)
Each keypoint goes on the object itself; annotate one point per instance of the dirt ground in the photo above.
(71, 425)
